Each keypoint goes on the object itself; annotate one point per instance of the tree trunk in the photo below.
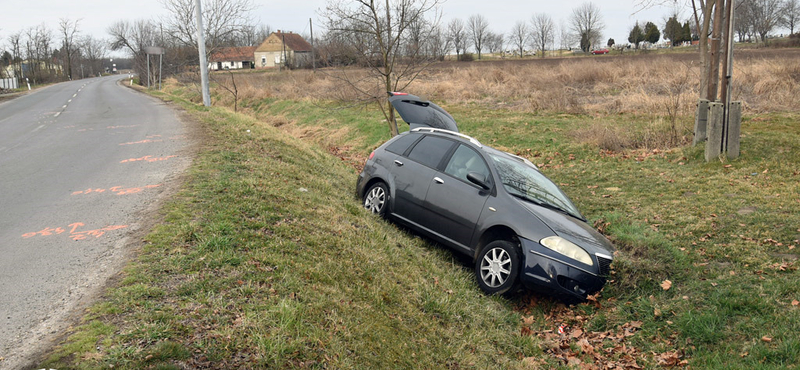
(713, 78)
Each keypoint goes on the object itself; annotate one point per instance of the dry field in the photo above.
(766, 80)
(658, 89)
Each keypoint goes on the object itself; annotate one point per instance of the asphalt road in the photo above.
(82, 163)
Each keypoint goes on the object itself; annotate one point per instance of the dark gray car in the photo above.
(497, 208)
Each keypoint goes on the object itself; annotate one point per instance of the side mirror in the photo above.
(478, 179)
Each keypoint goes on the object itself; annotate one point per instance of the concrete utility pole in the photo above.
(201, 46)
(313, 59)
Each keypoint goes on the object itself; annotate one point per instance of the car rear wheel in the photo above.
(376, 198)
(497, 267)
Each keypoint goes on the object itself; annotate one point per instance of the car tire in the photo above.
(376, 199)
(497, 267)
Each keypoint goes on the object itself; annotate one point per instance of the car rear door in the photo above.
(413, 174)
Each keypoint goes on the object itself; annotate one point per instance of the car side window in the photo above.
(464, 161)
(401, 144)
(430, 150)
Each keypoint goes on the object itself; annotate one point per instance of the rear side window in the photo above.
(430, 150)
(402, 143)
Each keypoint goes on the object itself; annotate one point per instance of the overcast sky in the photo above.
(292, 15)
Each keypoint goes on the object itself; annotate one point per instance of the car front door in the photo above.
(453, 202)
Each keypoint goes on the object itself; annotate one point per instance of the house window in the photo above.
(263, 61)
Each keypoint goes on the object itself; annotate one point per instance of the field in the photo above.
(266, 260)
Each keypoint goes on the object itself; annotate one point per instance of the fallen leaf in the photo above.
(528, 321)
(585, 346)
(766, 339)
(795, 302)
(666, 284)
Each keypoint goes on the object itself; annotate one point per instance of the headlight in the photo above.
(567, 248)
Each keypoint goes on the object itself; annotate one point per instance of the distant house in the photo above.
(283, 48)
(232, 58)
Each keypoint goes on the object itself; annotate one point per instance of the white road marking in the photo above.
(69, 101)
(64, 106)
(57, 114)
(37, 129)
(75, 94)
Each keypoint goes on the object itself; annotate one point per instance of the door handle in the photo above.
(398, 163)
(438, 180)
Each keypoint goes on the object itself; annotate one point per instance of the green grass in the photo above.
(249, 270)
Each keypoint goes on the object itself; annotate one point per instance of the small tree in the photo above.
(636, 35)
(457, 35)
(791, 12)
(543, 31)
(378, 32)
(651, 33)
(519, 36)
(587, 25)
(478, 28)
(610, 43)
(673, 31)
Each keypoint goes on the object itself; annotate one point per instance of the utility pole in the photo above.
(313, 59)
(201, 46)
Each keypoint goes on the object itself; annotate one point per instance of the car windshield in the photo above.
(523, 180)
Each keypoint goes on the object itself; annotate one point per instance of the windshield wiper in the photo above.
(546, 205)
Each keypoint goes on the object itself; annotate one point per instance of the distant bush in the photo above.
(466, 57)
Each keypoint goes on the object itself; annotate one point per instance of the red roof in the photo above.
(294, 41)
(237, 54)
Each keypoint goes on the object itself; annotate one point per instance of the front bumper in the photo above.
(547, 270)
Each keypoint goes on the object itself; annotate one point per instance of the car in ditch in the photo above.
(498, 208)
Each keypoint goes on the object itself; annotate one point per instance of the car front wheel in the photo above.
(376, 198)
(497, 267)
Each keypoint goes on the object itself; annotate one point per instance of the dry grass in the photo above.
(765, 80)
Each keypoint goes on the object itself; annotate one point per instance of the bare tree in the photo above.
(94, 53)
(478, 28)
(519, 36)
(791, 11)
(376, 32)
(587, 25)
(457, 34)
(744, 22)
(68, 30)
(564, 38)
(543, 31)
(264, 30)
(494, 42)
(438, 43)
(38, 50)
(766, 15)
(221, 20)
(133, 37)
(16, 52)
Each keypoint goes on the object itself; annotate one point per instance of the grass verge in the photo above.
(265, 260)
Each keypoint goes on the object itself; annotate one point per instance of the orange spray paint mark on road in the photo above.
(114, 127)
(148, 158)
(145, 141)
(118, 190)
(74, 233)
